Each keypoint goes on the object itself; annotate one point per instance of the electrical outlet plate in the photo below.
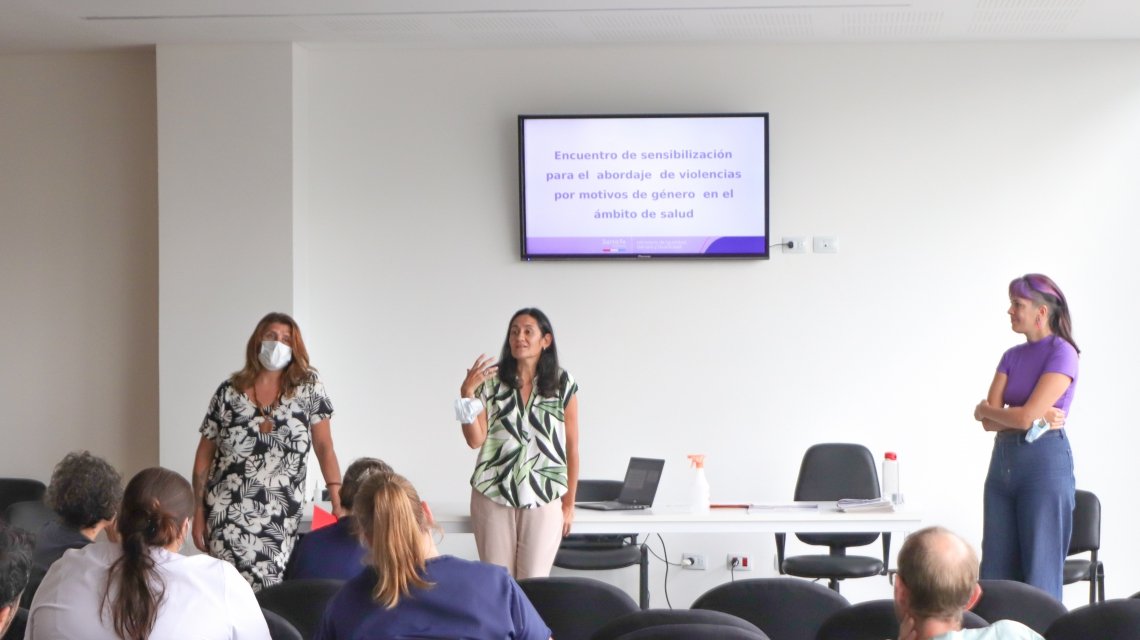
(825, 244)
(697, 564)
(743, 562)
(799, 244)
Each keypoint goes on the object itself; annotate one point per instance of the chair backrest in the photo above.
(694, 631)
(1086, 523)
(598, 490)
(575, 608)
(29, 515)
(279, 627)
(301, 602)
(1012, 600)
(638, 620)
(832, 471)
(1116, 619)
(784, 608)
(875, 620)
(19, 490)
(872, 620)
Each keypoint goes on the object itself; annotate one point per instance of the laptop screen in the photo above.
(641, 480)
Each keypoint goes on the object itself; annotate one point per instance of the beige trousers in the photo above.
(524, 541)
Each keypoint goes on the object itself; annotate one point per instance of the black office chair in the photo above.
(832, 472)
(279, 627)
(694, 631)
(301, 602)
(639, 620)
(1086, 538)
(875, 620)
(575, 608)
(1012, 600)
(1115, 619)
(593, 552)
(14, 490)
(29, 515)
(784, 608)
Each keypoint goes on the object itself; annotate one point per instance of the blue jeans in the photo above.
(1029, 498)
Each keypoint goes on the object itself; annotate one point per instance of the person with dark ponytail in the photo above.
(409, 590)
(522, 415)
(1030, 489)
(141, 587)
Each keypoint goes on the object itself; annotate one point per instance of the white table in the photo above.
(454, 518)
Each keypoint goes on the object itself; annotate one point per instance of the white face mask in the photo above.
(274, 355)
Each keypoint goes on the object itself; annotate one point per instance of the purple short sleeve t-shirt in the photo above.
(1026, 363)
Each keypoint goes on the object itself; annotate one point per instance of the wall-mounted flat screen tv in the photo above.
(644, 186)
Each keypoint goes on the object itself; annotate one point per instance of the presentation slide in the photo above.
(652, 185)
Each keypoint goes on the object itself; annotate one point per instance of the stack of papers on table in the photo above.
(865, 504)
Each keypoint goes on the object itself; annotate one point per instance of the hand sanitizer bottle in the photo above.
(699, 501)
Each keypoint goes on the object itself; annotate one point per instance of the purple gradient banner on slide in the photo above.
(646, 245)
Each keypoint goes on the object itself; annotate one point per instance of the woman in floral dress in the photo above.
(249, 470)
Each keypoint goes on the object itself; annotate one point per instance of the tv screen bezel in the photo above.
(522, 118)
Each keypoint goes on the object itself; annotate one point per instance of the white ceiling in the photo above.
(57, 25)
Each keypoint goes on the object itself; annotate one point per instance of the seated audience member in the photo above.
(937, 581)
(141, 587)
(410, 590)
(15, 567)
(335, 551)
(85, 492)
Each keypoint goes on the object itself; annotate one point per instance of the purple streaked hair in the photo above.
(1040, 289)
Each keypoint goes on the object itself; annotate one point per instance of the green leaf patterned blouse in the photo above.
(522, 463)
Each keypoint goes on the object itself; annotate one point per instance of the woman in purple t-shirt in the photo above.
(1029, 492)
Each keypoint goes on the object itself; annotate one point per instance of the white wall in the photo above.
(78, 261)
(945, 171)
(225, 122)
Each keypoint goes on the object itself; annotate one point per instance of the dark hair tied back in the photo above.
(156, 505)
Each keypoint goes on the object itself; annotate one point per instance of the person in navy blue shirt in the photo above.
(409, 590)
(335, 551)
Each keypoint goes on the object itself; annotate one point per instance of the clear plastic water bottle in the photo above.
(891, 478)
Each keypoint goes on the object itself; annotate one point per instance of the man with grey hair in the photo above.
(15, 567)
(937, 581)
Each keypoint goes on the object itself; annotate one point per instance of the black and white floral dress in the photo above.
(255, 489)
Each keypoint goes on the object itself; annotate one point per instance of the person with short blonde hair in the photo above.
(410, 590)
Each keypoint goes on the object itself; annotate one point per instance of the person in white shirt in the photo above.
(142, 587)
(937, 581)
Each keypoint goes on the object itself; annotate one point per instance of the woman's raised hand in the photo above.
(483, 368)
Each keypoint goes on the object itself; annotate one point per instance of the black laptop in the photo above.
(641, 480)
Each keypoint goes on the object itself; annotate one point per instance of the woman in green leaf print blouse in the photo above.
(526, 430)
